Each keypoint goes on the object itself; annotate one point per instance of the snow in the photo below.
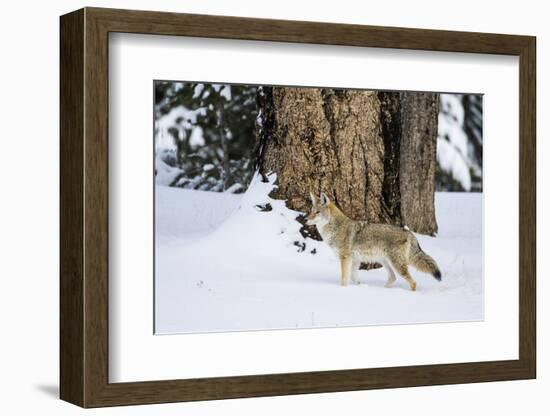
(165, 174)
(180, 213)
(223, 264)
(224, 90)
(234, 188)
(199, 88)
(452, 161)
(197, 137)
(181, 118)
(452, 141)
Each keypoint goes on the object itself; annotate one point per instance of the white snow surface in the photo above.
(222, 264)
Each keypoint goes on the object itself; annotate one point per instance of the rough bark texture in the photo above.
(417, 168)
(390, 122)
(325, 140)
(350, 144)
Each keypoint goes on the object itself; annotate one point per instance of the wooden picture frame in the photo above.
(84, 207)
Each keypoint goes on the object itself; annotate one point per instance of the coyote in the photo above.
(358, 241)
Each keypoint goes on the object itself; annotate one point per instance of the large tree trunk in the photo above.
(418, 153)
(359, 147)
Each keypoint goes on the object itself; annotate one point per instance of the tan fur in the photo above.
(396, 248)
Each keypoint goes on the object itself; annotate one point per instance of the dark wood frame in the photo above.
(84, 207)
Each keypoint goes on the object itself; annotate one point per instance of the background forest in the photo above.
(206, 137)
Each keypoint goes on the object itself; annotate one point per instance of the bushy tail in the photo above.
(424, 263)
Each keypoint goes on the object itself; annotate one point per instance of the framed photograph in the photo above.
(256, 207)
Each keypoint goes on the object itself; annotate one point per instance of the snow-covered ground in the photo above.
(222, 264)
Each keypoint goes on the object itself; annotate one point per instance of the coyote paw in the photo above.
(390, 282)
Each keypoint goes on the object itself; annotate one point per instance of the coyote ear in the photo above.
(313, 200)
(324, 199)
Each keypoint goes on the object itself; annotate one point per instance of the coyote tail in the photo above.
(424, 263)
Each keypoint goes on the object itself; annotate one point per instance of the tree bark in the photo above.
(350, 144)
(417, 168)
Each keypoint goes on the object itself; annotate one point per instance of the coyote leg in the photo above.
(355, 271)
(403, 271)
(345, 265)
(407, 276)
(391, 275)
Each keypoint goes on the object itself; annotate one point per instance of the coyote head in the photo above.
(320, 212)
